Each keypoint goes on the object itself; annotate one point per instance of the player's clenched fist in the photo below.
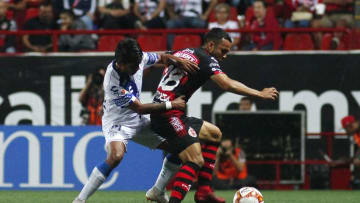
(179, 103)
(269, 93)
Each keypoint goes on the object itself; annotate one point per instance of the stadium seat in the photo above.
(31, 13)
(326, 42)
(152, 42)
(354, 42)
(33, 3)
(233, 15)
(109, 42)
(186, 41)
(298, 42)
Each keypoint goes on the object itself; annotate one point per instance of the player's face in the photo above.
(221, 49)
(131, 68)
(128, 68)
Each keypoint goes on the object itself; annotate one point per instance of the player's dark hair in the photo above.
(128, 51)
(216, 35)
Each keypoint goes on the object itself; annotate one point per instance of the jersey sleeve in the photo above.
(210, 67)
(149, 59)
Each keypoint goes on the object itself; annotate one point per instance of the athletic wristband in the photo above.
(168, 105)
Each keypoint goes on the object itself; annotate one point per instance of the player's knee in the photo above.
(217, 134)
(116, 157)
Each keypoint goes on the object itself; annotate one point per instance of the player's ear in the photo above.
(211, 46)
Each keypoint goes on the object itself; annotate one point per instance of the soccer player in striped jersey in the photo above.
(184, 133)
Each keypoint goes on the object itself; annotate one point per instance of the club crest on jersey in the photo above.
(186, 55)
(123, 91)
(192, 132)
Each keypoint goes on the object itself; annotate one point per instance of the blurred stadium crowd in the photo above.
(178, 14)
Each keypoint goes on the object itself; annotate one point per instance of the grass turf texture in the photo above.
(316, 196)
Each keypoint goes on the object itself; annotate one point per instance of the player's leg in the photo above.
(182, 135)
(184, 178)
(210, 137)
(171, 165)
(101, 172)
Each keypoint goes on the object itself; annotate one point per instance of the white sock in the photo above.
(95, 180)
(167, 172)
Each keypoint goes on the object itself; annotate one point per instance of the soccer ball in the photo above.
(248, 195)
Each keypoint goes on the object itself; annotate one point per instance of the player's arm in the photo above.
(160, 59)
(230, 85)
(140, 108)
(184, 64)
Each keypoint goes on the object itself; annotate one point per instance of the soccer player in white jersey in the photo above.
(122, 120)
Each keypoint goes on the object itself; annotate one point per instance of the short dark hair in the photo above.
(128, 51)
(46, 3)
(248, 99)
(216, 35)
(261, 1)
(69, 13)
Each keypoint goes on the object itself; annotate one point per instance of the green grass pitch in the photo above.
(270, 196)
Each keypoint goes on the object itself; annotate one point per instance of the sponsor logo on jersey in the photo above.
(214, 59)
(163, 97)
(186, 55)
(189, 50)
(177, 124)
(215, 69)
(213, 65)
(192, 132)
(122, 100)
(114, 90)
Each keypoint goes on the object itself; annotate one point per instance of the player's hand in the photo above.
(187, 65)
(269, 93)
(179, 103)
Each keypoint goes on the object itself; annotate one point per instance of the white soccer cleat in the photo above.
(154, 194)
(76, 200)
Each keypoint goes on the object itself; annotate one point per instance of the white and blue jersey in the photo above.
(121, 90)
(119, 122)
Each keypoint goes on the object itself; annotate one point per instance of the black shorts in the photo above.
(180, 132)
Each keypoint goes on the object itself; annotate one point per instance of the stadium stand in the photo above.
(298, 42)
(109, 42)
(185, 41)
(152, 42)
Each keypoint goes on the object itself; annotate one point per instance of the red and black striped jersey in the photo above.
(175, 82)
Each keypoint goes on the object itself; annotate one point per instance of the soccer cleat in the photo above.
(207, 198)
(153, 194)
(76, 200)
